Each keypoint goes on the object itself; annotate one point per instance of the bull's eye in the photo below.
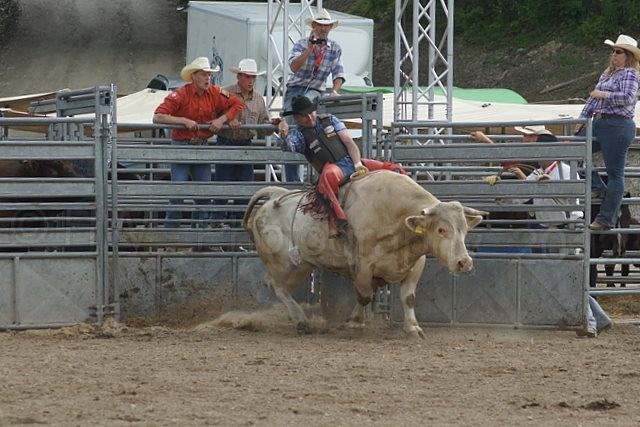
(442, 231)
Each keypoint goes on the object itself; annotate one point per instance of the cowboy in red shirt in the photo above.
(196, 103)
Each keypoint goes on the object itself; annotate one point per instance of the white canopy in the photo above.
(138, 108)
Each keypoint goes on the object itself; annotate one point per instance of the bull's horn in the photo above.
(471, 211)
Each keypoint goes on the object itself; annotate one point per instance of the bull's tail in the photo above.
(264, 193)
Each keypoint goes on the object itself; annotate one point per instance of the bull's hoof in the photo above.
(354, 324)
(415, 332)
(303, 328)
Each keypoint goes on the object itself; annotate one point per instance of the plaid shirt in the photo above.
(254, 113)
(310, 77)
(622, 86)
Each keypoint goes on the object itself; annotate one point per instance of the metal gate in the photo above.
(53, 218)
(527, 273)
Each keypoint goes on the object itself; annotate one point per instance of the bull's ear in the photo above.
(473, 216)
(417, 224)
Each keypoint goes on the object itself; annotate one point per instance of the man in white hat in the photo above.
(255, 112)
(311, 61)
(530, 133)
(196, 103)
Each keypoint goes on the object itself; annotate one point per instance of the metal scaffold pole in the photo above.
(423, 95)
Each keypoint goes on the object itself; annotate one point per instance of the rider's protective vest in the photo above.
(323, 147)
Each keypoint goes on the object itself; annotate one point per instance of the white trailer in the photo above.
(226, 32)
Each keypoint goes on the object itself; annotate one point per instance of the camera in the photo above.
(317, 41)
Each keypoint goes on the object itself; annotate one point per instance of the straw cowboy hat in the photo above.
(247, 66)
(533, 130)
(627, 43)
(200, 63)
(322, 18)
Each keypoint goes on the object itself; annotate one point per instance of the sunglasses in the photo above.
(619, 51)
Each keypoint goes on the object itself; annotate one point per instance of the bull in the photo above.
(32, 217)
(393, 224)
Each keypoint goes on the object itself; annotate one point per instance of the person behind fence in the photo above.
(529, 133)
(597, 319)
(325, 142)
(311, 61)
(198, 102)
(254, 112)
(549, 170)
(612, 105)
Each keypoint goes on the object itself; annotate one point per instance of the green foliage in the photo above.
(525, 22)
(378, 10)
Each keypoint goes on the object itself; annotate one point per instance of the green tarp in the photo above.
(481, 95)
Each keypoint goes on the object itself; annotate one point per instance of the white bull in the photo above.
(393, 224)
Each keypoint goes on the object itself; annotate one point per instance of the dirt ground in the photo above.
(262, 373)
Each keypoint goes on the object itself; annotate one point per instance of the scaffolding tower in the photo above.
(415, 92)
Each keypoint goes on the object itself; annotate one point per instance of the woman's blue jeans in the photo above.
(596, 316)
(614, 136)
(180, 172)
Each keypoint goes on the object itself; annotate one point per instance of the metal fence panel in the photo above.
(52, 291)
(189, 283)
(519, 292)
(252, 292)
(52, 220)
(7, 290)
(551, 292)
(138, 279)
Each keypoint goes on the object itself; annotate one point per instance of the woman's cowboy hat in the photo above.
(200, 63)
(322, 18)
(247, 66)
(627, 43)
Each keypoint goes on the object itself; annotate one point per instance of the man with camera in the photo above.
(311, 61)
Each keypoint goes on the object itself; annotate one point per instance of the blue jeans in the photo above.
(292, 172)
(180, 172)
(232, 172)
(596, 316)
(614, 136)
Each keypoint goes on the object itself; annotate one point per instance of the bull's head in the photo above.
(443, 229)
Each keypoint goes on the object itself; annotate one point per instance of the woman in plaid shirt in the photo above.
(612, 105)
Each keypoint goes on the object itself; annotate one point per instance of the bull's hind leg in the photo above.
(282, 287)
(408, 297)
(364, 295)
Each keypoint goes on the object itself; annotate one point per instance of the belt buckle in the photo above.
(196, 140)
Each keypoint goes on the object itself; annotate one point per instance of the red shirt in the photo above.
(185, 102)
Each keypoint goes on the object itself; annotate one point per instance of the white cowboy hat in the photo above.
(627, 43)
(200, 63)
(247, 66)
(322, 18)
(533, 130)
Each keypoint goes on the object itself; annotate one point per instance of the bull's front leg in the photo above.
(408, 297)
